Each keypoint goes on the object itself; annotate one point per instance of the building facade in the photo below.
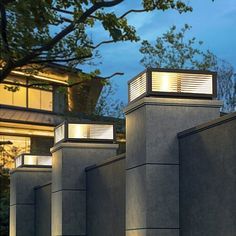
(32, 105)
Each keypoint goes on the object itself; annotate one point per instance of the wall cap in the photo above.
(208, 125)
(154, 101)
(84, 145)
(26, 169)
(106, 162)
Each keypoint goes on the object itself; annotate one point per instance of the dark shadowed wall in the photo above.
(41, 145)
(43, 210)
(106, 198)
(208, 179)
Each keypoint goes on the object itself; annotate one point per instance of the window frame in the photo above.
(26, 85)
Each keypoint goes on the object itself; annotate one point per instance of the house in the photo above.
(32, 105)
(177, 176)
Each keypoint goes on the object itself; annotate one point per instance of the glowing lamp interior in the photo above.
(25, 160)
(84, 132)
(182, 83)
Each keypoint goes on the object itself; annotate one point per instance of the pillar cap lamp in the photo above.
(97, 132)
(173, 83)
(30, 160)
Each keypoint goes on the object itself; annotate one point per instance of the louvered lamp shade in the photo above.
(84, 132)
(30, 160)
(173, 83)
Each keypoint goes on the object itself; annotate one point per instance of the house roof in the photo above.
(18, 115)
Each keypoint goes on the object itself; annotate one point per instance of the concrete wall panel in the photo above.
(106, 199)
(208, 179)
(43, 210)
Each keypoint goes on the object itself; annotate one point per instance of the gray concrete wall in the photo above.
(22, 199)
(69, 183)
(152, 160)
(43, 210)
(106, 198)
(208, 179)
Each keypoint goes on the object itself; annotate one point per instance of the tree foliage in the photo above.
(36, 32)
(174, 50)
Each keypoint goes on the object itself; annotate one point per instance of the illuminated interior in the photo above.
(26, 97)
(26, 129)
(32, 160)
(84, 132)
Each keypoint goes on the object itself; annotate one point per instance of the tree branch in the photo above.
(63, 11)
(36, 52)
(131, 11)
(114, 74)
(3, 28)
(101, 43)
(61, 60)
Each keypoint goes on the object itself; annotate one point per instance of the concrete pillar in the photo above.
(152, 160)
(69, 184)
(22, 198)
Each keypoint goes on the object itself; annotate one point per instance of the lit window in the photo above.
(37, 96)
(40, 99)
(17, 98)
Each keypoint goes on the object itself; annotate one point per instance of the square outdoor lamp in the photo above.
(173, 83)
(84, 132)
(29, 160)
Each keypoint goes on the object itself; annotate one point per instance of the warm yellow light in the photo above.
(40, 77)
(165, 84)
(69, 131)
(30, 160)
(24, 131)
(90, 131)
(33, 160)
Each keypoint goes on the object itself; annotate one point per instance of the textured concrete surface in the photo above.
(106, 198)
(69, 184)
(152, 160)
(22, 220)
(153, 232)
(152, 125)
(22, 199)
(43, 210)
(70, 161)
(23, 181)
(152, 197)
(69, 213)
(208, 179)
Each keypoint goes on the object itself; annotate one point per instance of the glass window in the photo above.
(40, 99)
(17, 98)
(6, 97)
(34, 98)
(46, 100)
(39, 96)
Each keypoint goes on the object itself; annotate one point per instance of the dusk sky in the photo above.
(212, 22)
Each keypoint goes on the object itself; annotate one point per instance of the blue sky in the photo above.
(212, 22)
